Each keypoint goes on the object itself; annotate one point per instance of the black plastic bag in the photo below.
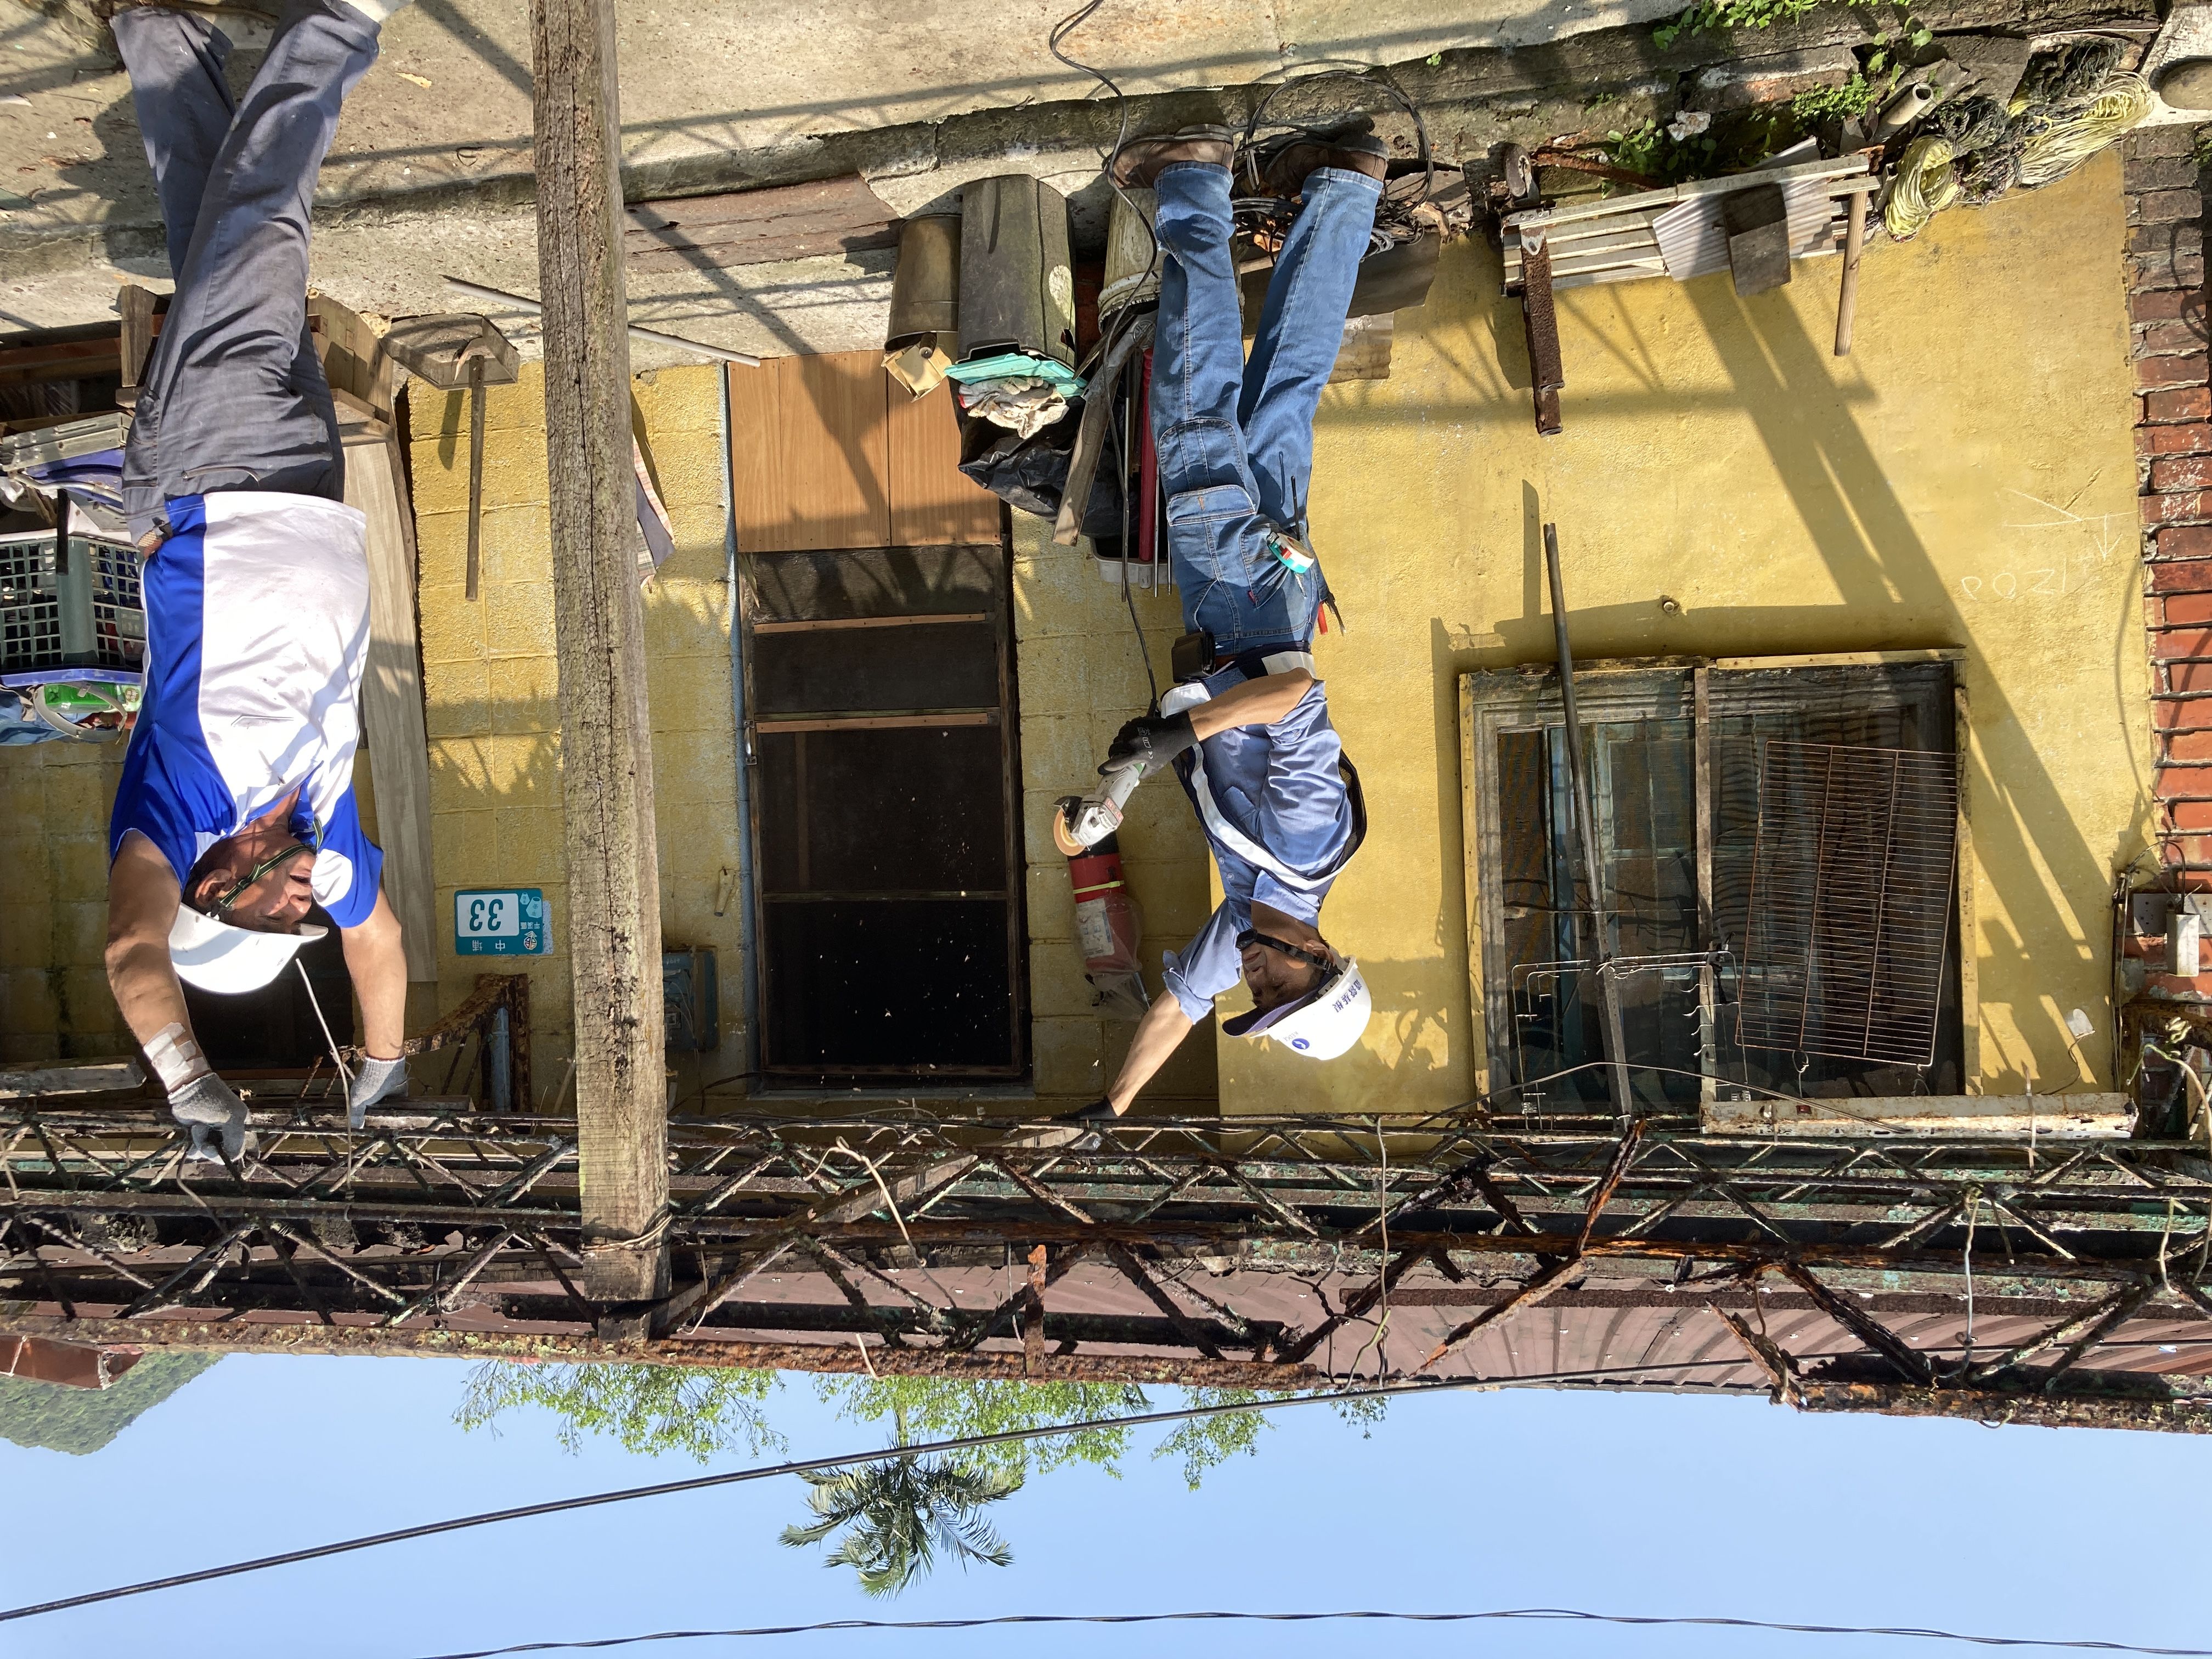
(1030, 474)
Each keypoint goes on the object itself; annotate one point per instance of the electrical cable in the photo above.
(1574, 1615)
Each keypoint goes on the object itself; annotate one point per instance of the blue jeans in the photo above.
(234, 396)
(1236, 438)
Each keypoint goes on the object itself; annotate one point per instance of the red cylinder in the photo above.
(1107, 926)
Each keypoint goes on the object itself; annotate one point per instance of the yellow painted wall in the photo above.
(491, 689)
(54, 1001)
(1966, 478)
(1080, 676)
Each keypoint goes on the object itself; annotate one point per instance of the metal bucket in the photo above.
(1132, 258)
(926, 285)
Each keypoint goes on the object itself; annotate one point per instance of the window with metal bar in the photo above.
(1746, 925)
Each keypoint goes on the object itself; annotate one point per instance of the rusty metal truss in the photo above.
(2063, 1282)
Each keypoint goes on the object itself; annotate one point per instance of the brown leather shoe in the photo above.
(1280, 167)
(1138, 163)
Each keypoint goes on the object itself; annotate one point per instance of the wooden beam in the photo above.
(598, 622)
(392, 701)
(753, 226)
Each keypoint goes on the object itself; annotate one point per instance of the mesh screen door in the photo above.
(1851, 902)
(885, 816)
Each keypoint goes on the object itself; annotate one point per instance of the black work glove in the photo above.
(1098, 1111)
(1149, 741)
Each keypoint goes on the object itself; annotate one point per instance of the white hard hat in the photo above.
(216, 956)
(1321, 1024)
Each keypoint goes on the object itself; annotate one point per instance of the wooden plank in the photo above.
(599, 625)
(392, 701)
(879, 722)
(2044, 1117)
(355, 360)
(1845, 167)
(808, 454)
(822, 623)
(934, 503)
(754, 227)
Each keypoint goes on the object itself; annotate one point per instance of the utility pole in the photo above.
(1604, 945)
(598, 622)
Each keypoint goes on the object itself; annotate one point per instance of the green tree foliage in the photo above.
(82, 1420)
(649, 1409)
(904, 1512)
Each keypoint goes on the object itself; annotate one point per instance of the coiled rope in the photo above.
(1926, 183)
(2060, 140)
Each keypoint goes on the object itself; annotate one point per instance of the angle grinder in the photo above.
(1081, 822)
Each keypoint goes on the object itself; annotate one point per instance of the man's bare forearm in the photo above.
(1160, 1034)
(1256, 703)
(141, 906)
(376, 961)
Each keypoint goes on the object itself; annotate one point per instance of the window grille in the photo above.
(1849, 925)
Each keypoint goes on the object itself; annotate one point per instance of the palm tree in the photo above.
(903, 1511)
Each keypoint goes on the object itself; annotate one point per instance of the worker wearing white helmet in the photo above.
(235, 813)
(1247, 729)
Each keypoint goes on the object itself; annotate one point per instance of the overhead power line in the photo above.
(1569, 1614)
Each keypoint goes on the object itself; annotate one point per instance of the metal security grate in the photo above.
(1851, 902)
(30, 606)
(90, 613)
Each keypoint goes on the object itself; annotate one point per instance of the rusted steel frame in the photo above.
(694, 1303)
(543, 1246)
(344, 1267)
(733, 1184)
(1273, 1205)
(1609, 1184)
(2028, 1225)
(212, 1253)
(1546, 1281)
(440, 1298)
(1030, 1295)
(2062, 1167)
(835, 1358)
(1355, 1306)
(60, 1237)
(530, 1174)
(283, 1251)
(2072, 1353)
(418, 1155)
(2086, 1410)
(190, 1205)
(469, 1014)
(1043, 1194)
(833, 1268)
(340, 1172)
(2084, 1329)
(1133, 1270)
(1781, 1370)
(1910, 1362)
(1194, 1178)
(1938, 1218)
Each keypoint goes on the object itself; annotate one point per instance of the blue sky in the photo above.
(1651, 1503)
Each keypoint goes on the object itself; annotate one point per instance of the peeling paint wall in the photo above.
(1966, 478)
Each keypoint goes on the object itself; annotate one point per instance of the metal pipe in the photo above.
(500, 296)
(746, 933)
(1601, 943)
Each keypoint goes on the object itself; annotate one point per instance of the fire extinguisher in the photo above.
(1109, 928)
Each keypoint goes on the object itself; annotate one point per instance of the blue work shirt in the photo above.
(256, 632)
(1280, 789)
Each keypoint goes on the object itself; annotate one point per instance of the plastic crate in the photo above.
(85, 611)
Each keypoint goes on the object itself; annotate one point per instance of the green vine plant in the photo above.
(1728, 14)
(1844, 103)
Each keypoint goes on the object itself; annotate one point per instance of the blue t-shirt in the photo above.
(1277, 792)
(257, 631)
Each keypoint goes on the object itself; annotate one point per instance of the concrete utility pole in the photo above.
(606, 772)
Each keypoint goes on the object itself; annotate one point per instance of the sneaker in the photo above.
(1278, 167)
(1138, 163)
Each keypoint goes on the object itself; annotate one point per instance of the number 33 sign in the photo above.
(501, 921)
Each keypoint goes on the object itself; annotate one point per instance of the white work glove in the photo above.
(375, 1080)
(215, 1115)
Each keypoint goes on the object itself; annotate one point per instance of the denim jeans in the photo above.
(1236, 438)
(234, 396)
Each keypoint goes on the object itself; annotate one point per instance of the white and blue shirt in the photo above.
(1276, 810)
(257, 631)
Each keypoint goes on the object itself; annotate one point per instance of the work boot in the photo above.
(1138, 163)
(1278, 165)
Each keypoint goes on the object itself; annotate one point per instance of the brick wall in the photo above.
(2164, 274)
